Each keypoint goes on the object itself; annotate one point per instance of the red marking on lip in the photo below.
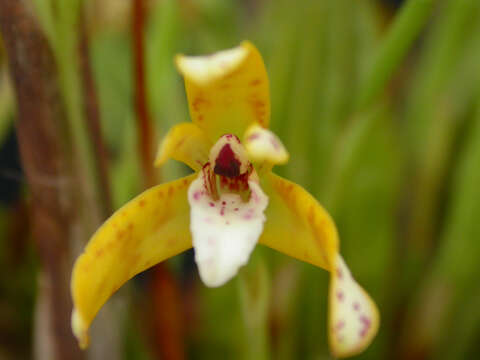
(340, 295)
(197, 195)
(226, 164)
(211, 204)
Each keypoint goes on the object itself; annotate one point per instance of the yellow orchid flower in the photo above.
(231, 202)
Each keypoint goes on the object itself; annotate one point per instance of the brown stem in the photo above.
(168, 317)
(144, 123)
(45, 159)
(92, 116)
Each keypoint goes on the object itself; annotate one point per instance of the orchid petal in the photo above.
(353, 316)
(297, 225)
(227, 91)
(264, 147)
(147, 230)
(187, 143)
(225, 231)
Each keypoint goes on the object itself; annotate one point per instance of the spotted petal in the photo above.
(297, 225)
(147, 230)
(224, 231)
(353, 316)
(227, 91)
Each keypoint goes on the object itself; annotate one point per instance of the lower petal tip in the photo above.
(354, 317)
(80, 329)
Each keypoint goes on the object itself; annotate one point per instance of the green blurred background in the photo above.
(378, 104)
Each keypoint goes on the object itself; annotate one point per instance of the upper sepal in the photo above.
(227, 91)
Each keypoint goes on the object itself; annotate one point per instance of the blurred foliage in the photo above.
(380, 110)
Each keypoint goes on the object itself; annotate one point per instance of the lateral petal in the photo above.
(184, 142)
(297, 225)
(226, 91)
(147, 230)
(264, 148)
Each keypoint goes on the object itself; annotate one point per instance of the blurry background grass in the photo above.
(380, 110)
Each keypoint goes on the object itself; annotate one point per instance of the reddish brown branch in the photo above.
(92, 116)
(44, 156)
(144, 123)
(168, 315)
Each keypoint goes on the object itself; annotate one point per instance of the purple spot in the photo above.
(340, 325)
(340, 295)
(356, 306)
(275, 143)
(211, 204)
(339, 273)
(222, 211)
(366, 325)
(224, 203)
(253, 137)
(197, 195)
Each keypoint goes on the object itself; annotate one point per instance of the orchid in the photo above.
(232, 201)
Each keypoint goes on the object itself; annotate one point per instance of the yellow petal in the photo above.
(187, 143)
(353, 316)
(297, 225)
(263, 147)
(227, 91)
(150, 228)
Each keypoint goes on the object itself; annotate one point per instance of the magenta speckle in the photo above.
(253, 137)
(275, 143)
(339, 273)
(222, 211)
(197, 195)
(340, 325)
(211, 204)
(340, 295)
(366, 322)
(224, 203)
(356, 306)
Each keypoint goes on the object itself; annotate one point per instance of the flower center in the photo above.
(228, 169)
(226, 164)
